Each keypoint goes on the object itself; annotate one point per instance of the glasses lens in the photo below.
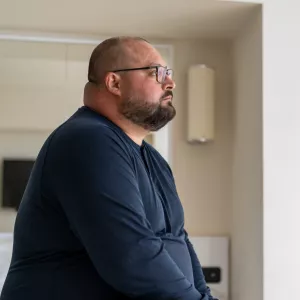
(162, 72)
(169, 73)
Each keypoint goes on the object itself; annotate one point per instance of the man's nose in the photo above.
(169, 84)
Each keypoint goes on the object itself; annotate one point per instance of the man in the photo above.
(101, 218)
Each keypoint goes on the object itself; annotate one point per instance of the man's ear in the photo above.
(112, 82)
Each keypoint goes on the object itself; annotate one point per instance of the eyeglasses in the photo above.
(161, 72)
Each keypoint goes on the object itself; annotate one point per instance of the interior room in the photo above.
(43, 69)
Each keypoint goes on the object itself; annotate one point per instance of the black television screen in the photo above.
(16, 173)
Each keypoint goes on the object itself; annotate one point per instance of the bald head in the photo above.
(111, 55)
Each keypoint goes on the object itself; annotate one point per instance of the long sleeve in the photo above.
(93, 179)
(199, 278)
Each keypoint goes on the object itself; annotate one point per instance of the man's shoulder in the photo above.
(84, 125)
(86, 132)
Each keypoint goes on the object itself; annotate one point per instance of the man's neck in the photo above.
(135, 132)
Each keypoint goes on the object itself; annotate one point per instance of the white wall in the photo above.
(281, 148)
(41, 85)
(246, 247)
(281, 133)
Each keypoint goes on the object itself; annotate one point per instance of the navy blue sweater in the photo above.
(101, 219)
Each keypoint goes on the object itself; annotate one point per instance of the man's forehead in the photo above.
(145, 54)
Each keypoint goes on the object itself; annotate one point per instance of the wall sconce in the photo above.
(201, 103)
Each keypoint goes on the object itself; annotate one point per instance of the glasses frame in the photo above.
(166, 69)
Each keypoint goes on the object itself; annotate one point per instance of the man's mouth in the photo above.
(167, 98)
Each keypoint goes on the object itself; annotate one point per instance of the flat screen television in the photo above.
(16, 173)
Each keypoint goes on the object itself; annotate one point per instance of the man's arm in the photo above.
(199, 278)
(94, 180)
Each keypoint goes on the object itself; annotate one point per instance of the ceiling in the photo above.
(152, 19)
